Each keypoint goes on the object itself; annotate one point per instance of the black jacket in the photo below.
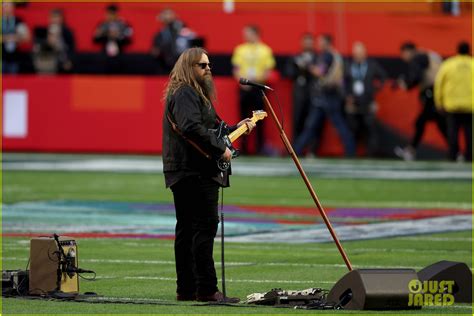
(124, 37)
(373, 71)
(166, 41)
(194, 119)
(416, 70)
(297, 68)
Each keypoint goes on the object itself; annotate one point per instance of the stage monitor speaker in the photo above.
(376, 289)
(458, 272)
(44, 264)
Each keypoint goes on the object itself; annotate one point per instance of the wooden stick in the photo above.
(306, 180)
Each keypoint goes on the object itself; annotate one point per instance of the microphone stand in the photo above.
(292, 153)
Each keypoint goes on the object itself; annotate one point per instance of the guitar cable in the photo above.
(222, 245)
(282, 120)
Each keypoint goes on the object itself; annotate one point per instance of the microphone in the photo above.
(246, 82)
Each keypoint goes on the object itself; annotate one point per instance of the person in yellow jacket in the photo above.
(252, 60)
(453, 95)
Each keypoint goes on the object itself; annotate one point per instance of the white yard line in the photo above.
(349, 250)
(237, 264)
(132, 299)
(360, 170)
(232, 280)
(442, 224)
(436, 239)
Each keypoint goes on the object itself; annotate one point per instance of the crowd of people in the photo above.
(325, 85)
(54, 45)
(445, 95)
(344, 92)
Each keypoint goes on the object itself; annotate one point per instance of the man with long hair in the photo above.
(190, 148)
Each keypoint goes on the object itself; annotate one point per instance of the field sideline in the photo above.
(144, 268)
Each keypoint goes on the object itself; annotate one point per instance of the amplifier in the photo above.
(50, 270)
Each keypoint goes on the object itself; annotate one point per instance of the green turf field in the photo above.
(144, 269)
(262, 267)
(41, 185)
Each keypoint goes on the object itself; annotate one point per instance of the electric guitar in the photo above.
(222, 132)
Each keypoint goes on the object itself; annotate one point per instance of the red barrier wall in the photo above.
(382, 26)
(98, 114)
(124, 114)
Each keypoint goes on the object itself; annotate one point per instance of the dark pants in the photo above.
(301, 105)
(363, 125)
(251, 100)
(429, 113)
(10, 67)
(195, 200)
(326, 106)
(456, 121)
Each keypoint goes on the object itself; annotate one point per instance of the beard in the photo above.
(207, 85)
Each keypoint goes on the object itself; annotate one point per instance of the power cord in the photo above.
(81, 271)
(222, 245)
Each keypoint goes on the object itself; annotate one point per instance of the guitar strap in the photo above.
(176, 129)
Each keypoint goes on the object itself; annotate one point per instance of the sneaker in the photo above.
(217, 297)
(404, 153)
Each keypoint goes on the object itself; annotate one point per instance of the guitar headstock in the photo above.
(259, 115)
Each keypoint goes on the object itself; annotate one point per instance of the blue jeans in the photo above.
(322, 107)
(10, 67)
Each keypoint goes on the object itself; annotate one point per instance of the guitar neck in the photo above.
(240, 131)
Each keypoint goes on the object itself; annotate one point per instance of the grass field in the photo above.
(144, 268)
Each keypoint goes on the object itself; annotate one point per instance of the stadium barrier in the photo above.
(347, 22)
(123, 114)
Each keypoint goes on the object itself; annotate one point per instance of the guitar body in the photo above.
(222, 132)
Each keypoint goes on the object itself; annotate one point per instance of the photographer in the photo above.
(53, 50)
(165, 43)
(422, 67)
(326, 100)
(298, 69)
(113, 34)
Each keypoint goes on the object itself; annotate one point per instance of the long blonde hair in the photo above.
(183, 74)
